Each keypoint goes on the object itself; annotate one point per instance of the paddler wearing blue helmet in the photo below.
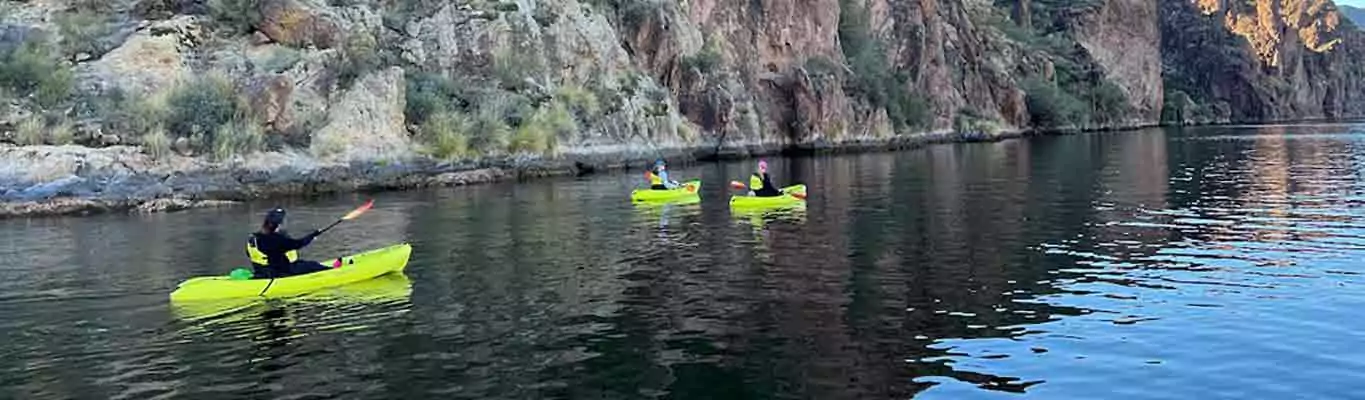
(658, 177)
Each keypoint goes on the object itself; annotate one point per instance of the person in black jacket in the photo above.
(761, 184)
(274, 254)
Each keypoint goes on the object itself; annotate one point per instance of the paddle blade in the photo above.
(353, 214)
(737, 185)
(799, 195)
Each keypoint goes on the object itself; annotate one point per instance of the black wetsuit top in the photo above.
(275, 246)
(768, 190)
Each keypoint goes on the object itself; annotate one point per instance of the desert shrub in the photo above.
(360, 55)
(156, 143)
(32, 70)
(201, 105)
(280, 59)
(873, 78)
(62, 132)
(29, 132)
(428, 94)
(446, 135)
(240, 136)
(132, 115)
(1108, 102)
(541, 132)
(972, 121)
(237, 16)
(706, 60)
(582, 103)
(1050, 107)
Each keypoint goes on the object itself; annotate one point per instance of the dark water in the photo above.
(1218, 263)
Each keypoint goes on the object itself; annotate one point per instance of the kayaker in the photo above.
(760, 184)
(658, 178)
(274, 254)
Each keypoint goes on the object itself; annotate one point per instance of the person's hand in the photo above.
(314, 233)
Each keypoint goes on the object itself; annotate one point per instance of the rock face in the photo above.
(152, 59)
(612, 81)
(1124, 36)
(367, 123)
(300, 24)
(1263, 60)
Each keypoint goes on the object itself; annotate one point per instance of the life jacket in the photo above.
(654, 179)
(259, 259)
(755, 182)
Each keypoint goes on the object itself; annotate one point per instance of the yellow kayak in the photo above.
(354, 268)
(387, 288)
(754, 202)
(688, 191)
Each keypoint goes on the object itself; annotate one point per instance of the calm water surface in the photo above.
(1218, 263)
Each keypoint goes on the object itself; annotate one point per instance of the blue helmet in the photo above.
(275, 217)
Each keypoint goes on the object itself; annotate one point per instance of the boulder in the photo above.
(367, 122)
(152, 59)
(299, 24)
(269, 97)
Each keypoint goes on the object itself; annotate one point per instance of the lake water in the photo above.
(1218, 263)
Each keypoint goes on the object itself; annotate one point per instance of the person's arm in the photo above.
(290, 244)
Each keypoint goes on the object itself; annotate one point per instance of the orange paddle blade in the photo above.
(353, 214)
(799, 195)
(737, 185)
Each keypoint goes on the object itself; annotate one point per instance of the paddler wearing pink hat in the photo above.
(760, 184)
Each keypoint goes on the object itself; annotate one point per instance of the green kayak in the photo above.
(688, 191)
(791, 196)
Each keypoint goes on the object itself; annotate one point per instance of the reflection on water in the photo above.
(1201, 263)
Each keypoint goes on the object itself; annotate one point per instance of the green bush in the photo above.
(971, 121)
(203, 104)
(636, 12)
(541, 132)
(30, 132)
(360, 55)
(237, 16)
(61, 133)
(446, 135)
(236, 137)
(581, 102)
(873, 78)
(1108, 102)
(83, 30)
(706, 60)
(31, 69)
(428, 94)
(493, 121)
(156, 143)
(132, 115)
(1050, 107)
(280, 59)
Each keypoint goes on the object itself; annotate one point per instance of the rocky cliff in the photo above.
(360, 85)
(1239, 61)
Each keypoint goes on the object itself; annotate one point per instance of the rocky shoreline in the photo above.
(73, 180)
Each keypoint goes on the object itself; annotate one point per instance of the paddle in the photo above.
(349, 216)
(740, 186)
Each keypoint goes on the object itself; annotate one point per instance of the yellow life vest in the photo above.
(259, 258)
(655, 179)
(755, 182)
